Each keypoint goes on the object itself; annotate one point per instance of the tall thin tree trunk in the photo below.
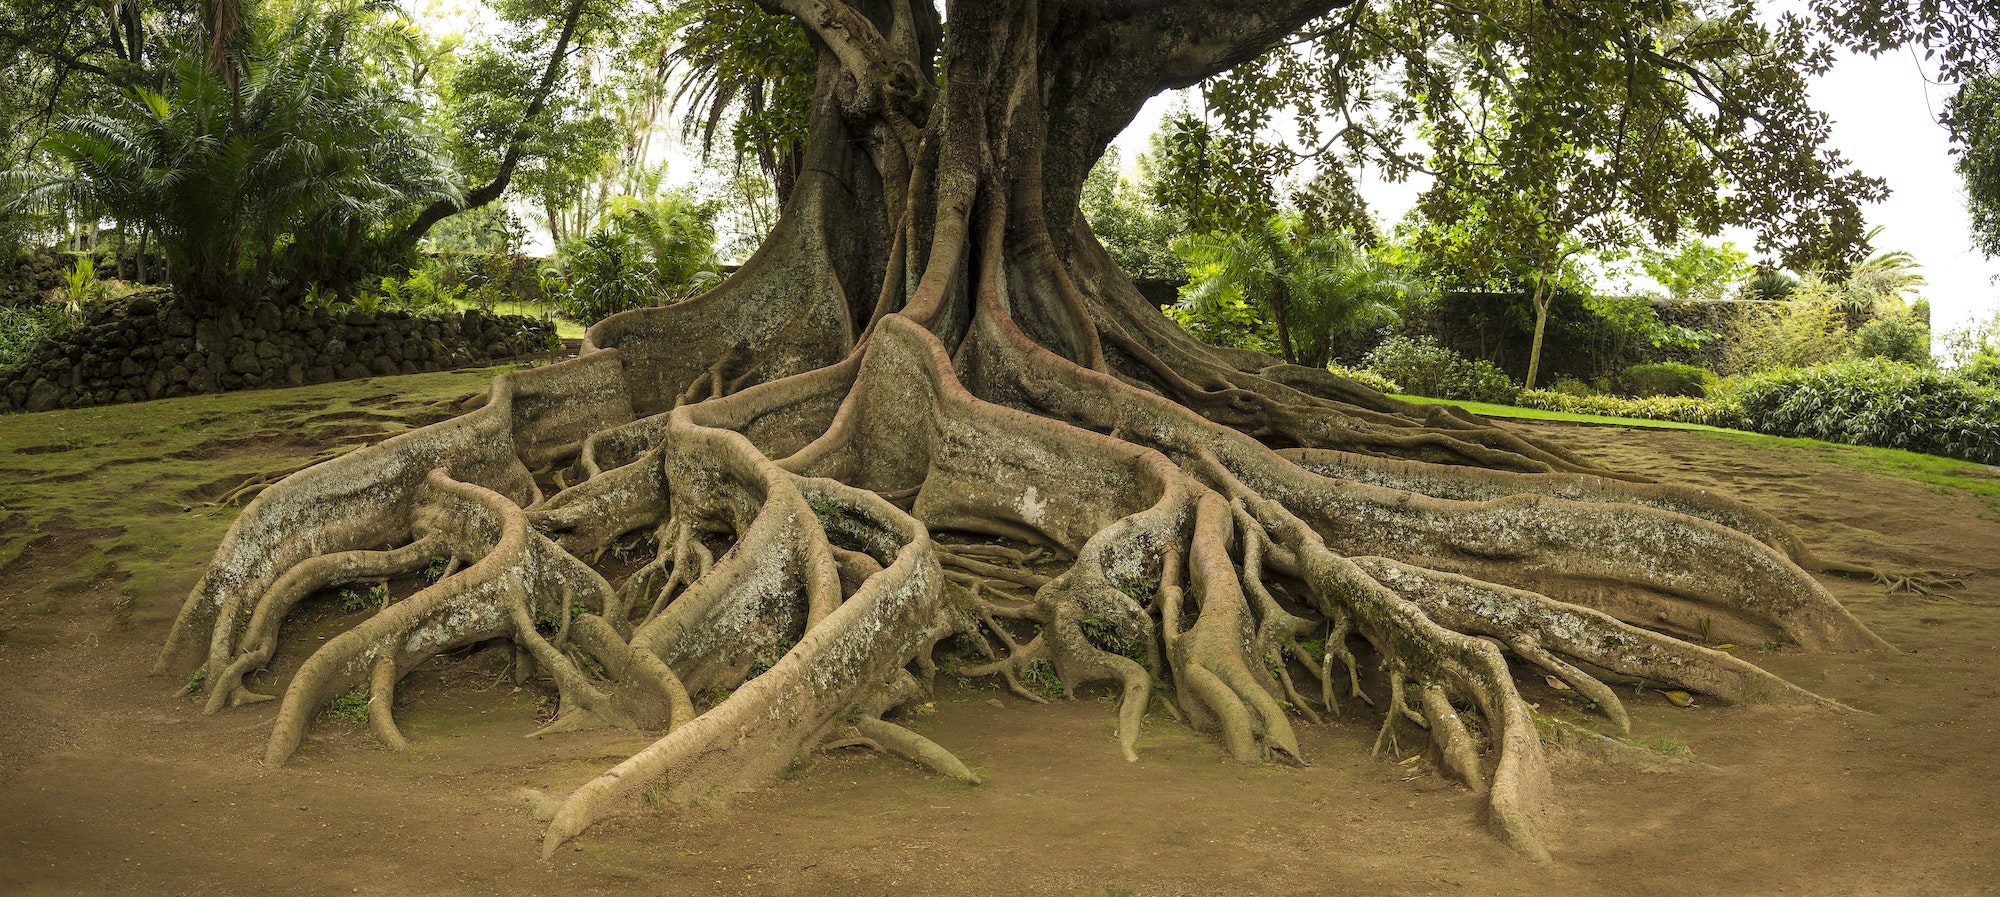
(1284, 327)
(1539, 300)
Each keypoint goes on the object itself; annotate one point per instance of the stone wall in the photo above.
(148, 348)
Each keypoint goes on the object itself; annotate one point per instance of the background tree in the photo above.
(928, 356)
(1138, 235)
(297, 151)
(1973, 118)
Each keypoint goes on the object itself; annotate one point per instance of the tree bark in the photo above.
(932, 354)
(1539, 301)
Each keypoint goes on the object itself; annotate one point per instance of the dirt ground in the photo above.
(109, 785)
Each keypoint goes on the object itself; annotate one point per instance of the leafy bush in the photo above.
(1876, 402)
(1668, 379)
(1983, 370)
(1367, 378)
(600, 276)
(24, 327)
(1425, 368)
(1684, 409)
(1897, 339)
(1570, 386)
(420, 292)
(1790, 335)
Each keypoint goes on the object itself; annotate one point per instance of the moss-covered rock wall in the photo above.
(149, 348)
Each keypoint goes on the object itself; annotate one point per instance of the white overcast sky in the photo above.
(1884, 115)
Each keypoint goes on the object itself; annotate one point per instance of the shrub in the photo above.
(1684, 409)
(22, 328)
(1794, 334)
(1367, 378)
(1570, 386)
(1668, 379)
(1425, 368)
(1876, 402)
(1897, 339)
(1983, 370)
(602, 275)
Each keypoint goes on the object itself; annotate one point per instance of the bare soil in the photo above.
(109, 785)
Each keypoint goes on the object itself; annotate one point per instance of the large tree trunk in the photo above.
(932, 353)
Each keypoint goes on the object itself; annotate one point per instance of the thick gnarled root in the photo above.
(796, 596)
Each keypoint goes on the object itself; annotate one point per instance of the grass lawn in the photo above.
(1941, 474)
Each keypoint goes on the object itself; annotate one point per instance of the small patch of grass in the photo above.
(1664, 744)
(349, 708)
(1041, 678)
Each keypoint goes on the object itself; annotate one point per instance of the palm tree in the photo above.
(288, 146)
(1316, 285)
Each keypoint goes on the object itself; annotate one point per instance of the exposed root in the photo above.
(796, 589)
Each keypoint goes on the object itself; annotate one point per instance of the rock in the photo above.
(43, 396)
(142, 305)
(208, 334)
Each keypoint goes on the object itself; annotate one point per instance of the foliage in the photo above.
(226, 166)
(1695, 271)
(1684, 409)
(22, 328)
(1315, 284)
(1974, 350)
(1584, 122)
(1973, 118)
(488, 229)
(1668, 379)
(749, 69)
(80, 285)
(1770, 285)
(1228, 321)
(1790, 334)
(422, 291)
(1899, 338)
(1214, 181)
(1137, 234)
(1424, 368)
(1636, 317)
(1876, 402)
(1368, 378)
(650, 253)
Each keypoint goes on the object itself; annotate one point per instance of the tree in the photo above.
(1695, 271)
(286, 158)
(1138, 235)
(1973, 118)
(930, 411)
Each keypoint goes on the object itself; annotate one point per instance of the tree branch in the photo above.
(516, 144)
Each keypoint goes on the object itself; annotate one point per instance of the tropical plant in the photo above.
(294, 145)
(1876, 402)
(1790, 334)
(1316, 285)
